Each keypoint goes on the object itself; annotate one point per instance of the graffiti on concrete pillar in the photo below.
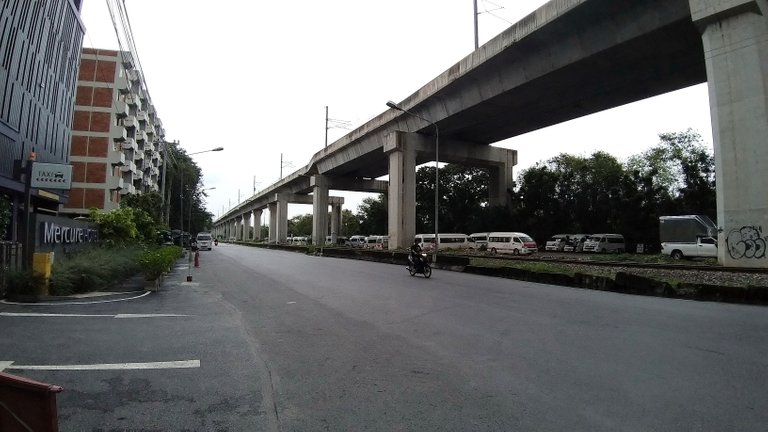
(746, 242)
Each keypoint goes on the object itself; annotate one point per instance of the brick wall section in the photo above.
(76, 197)
(78, 172)
(102, 97)
(79, 146)
(81, 121)
(87, 70)
(94, 198)
(96, 172)
(84, 95)
(105, 71)
(100, 121)
(98, 147)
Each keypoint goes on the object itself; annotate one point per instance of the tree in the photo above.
(372, 214)
(300, 225)
(116, 226)
(463, 196)
(150, 202)
(350, 224)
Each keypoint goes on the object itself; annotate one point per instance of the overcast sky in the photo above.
(255, 77)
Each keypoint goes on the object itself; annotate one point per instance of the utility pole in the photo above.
(326, 125)
(476, 40)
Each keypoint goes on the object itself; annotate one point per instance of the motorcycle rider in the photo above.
(415, 250)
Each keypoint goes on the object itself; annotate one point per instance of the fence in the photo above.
(11, 258)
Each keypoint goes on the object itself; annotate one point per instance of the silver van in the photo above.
(605, 243)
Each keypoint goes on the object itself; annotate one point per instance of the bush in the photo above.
(23, 282)
(155, 262)
(93, 269)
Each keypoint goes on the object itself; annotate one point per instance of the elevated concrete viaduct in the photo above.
(568, 59)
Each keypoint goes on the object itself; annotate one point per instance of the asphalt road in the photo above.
(300, 343)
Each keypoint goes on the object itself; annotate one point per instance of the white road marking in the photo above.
(4, 365)
(291, 302)
(180, 364)
(61, 303)
(118, 316)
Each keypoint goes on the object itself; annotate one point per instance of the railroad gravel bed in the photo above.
(673, 276)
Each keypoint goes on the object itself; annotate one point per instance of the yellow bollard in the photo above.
(42, 264)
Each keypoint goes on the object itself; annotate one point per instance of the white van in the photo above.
(356, 241)
(605, 243)
(557, 242)
(479, 239)
(516, 243)
(377, 242)
(447, 241)
(576, 243)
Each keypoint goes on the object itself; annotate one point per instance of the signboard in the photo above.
(61, 234)
(51, 176)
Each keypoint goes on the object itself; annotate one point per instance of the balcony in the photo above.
(123, 85)
(138, 156)
(149, 129)
(141, 116)
(133, 75)
(129, 166)
(121, 108)
(116, 183)
(128, 144)
(130, 122)
(149, 147)
(141, 135)
(129, 189)
(118, 133)
(133, 99)
(116, 158)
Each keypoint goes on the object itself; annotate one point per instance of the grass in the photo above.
(534, 266)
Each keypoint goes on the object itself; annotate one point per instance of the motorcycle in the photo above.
(420, 266)
(216, 242)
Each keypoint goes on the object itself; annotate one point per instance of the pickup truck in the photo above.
(702, 247)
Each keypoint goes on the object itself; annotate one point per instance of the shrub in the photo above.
(93, 269)
(23, 282)
(155, 262)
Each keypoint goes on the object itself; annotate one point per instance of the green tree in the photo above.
(350, 224)
(116, 226)
(463, 195)
(150, 203)
(300, 225)
(372, 214)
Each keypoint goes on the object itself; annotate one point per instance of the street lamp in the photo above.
(437, 168)
(189, 261)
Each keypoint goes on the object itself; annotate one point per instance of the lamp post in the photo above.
(189, 261)
(437, 168)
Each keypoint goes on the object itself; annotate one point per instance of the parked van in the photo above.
(204, 241)
(575, 243)
(356, 241)
(516, 243)
(447, 241)
(557, 242)
(377, 242)
(340, 240)
(605, 243)
(479, 239)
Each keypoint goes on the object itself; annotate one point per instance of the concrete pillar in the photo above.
(239, 227)
(401, 220)
(246, 226)
(257, 225)
(335, 222)
(282, 219)
(273, 222)
(501, 180)
(735, 37)
(319, 184)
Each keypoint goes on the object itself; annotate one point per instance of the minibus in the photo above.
(447, 241)
(516, 243)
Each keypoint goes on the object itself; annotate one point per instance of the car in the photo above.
(204, 241)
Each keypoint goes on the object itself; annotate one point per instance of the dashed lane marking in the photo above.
(118, 316)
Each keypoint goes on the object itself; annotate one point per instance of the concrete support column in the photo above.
(273, 222)
(335, 222)
(282, 219)
(246, 226)
(401, 221)
(239, 228)
(501, 180)
(319, 184)
(257, 225)
(735, 37)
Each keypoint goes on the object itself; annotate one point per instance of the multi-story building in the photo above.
(40, 43)
(115, 134)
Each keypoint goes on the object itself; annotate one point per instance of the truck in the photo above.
(688, 236)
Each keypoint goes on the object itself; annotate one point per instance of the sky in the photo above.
(255, 77)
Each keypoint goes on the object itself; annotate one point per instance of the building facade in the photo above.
(40, 45)
(115, 134)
